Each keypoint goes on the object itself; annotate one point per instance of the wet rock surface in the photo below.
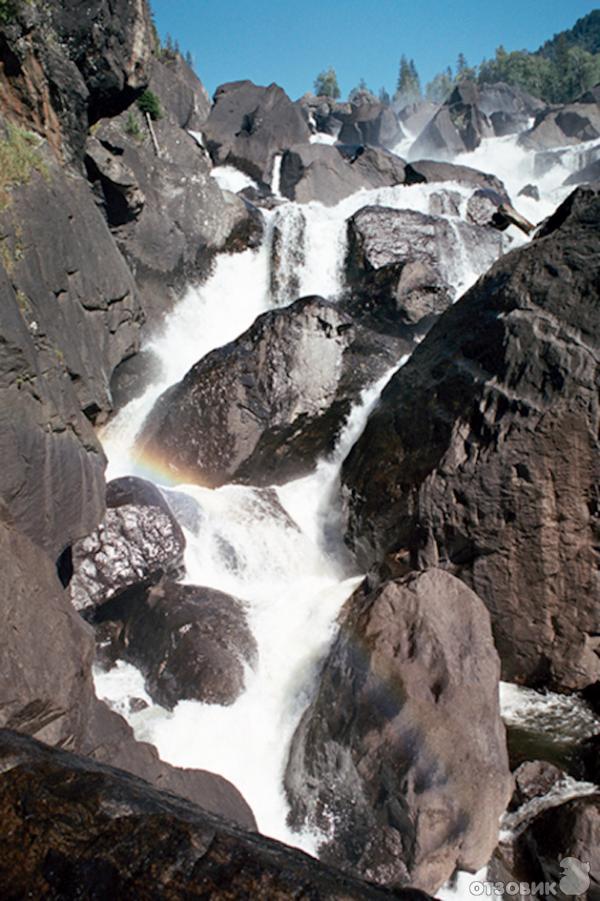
(90, 830)
(565, 125)
(191, 643)
(399, 263)
(264, 408)
(468, 461)
(382, 762)
(139, 541)
(47, 690)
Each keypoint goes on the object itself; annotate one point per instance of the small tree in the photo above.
(408, 86)
(326, 84)
(361, 92)
(384, 97)
(149, 103)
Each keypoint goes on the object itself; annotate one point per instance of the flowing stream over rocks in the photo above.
(282, 552)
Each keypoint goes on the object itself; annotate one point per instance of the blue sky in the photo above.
(276, 40)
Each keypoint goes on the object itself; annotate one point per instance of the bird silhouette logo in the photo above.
(576, 879)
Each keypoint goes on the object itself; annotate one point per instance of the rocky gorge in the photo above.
(300, 495)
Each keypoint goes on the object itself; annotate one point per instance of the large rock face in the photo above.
(483, 453)
(93, 831)
(69, 314)
(328, 174)
(508, 108)
(457, 127)
(47, 689)
(430, 171)
(369, 122)
(138, 542)
(248, 125)
(61, 75)
(398, 761)
(190, 643)
(264, 408)
(401, 265)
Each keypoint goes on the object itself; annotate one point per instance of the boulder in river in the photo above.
(191, 643)
(482, 455)
(329, 174)
(457, 127)
(398, 760)
(249, 125)
(138, 541)
(571, 123)
(265, 407)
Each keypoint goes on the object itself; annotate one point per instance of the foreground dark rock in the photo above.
(397, 759)
(329, 174)
(469, 462)
(47, 689)
(94, 831)
(369, 122)
(457, 127)
(248, 125)
(553, 838)
(399, 263)
(264, 408)
(138, 542)
(190, 643)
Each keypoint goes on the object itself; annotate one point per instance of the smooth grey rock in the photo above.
(457, 127)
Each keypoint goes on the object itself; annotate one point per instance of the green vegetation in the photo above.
(149, 103)
(132, 126)
(408, 86)
(7, 11)
(19, 158)
(326, 84)
(361, 91)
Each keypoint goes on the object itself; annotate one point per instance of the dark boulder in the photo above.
(557, 843)
(534, 779)
(469, 459)
(508, 107)
(265, 407)
(88, 831)
(320, 113)
(249, 125)
(589, 755)
(564, 125)
(47, 689)
(131, 377)
(369, 122)
(399, 264)
(397, 760)
(138, 541)
(329, 174)
(431, 171)
(190, 643)
(457, 127)
(531, 191)
(180, 91)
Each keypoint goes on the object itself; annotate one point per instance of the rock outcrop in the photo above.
(249, 125)
(47, 689)
(168, 215)
(568, 124)
(482, 456)
(89, 830)
(397, 760)
(329, 174)
(457, 127)
(508, 108)
(369, 122)
(399, 264)
(138, 543)
(191, 643)
(430, 171)
(59, 75)
(265, 407)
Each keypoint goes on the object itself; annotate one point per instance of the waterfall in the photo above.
(279, 551)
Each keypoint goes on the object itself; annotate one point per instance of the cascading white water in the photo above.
(286, 562)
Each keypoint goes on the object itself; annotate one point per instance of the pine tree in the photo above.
(408, 87)
(326, 84)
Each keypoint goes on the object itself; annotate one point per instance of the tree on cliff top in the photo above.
(326, 84)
